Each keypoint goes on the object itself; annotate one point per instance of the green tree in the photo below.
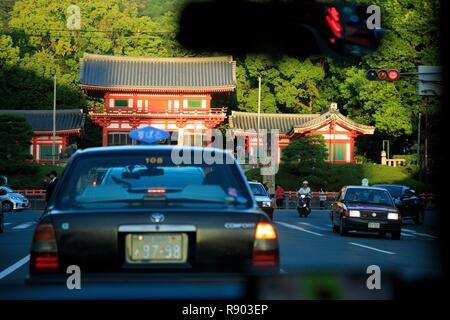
(16, 136)
(305, 154)
(288, 85)
(9, 55)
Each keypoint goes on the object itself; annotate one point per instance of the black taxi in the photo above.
(365, 209)
(153, 209)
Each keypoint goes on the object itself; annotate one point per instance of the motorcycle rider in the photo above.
(306, 190)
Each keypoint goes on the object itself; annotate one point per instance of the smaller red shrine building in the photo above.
(69, 126)
(339, 131)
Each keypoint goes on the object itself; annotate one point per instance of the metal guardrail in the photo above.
(37, 199)
(290, 200)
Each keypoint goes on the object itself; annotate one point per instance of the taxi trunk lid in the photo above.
(101, 241)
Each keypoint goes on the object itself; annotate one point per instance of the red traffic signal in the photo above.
(382, 74)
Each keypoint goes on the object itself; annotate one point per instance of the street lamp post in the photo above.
(54, 121)
(259, 118)
(418, 142)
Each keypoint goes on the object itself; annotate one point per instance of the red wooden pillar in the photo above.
(33, 141)
(107, 104)
(105, 137)
(352, 148)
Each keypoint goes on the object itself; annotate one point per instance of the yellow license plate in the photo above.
(374, 225)
(156, 248)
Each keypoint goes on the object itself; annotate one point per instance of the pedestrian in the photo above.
(51, 184)
(322, 198)
(279, 196)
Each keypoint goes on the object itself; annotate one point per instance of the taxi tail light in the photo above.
(265, 250)
(44, 254)
(265, 231)
(346, 213)
(265, 258)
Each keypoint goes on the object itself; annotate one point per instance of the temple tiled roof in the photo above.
(330, 116)
(281, 121)
(293, 123)
(153, 74)
(42, 120)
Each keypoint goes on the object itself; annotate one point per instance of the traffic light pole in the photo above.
(426, 141)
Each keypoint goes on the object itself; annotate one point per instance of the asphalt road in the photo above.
(306, 245)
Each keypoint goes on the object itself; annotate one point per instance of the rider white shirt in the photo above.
(306, 191)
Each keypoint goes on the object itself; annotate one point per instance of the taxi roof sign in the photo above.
(148, 135)
(365, 182)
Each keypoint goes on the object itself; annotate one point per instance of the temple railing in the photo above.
(128, 111)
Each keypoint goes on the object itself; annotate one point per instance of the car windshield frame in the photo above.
(234, 194)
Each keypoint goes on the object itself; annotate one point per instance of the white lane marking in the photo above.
(7, 223)
(313, 226)
(419, 233)
(425, 235)
(371, 248)
(287, 225)
(407, 234)
(24, 225)
(14, 267)
(283, 271)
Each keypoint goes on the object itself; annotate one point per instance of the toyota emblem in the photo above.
(374, 214)
(157, 217)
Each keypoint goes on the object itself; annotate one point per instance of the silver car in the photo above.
(262, 198)
(12, 201)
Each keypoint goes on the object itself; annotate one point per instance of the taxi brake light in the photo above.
(156, 190)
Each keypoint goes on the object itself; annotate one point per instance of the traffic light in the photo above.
(382, 74)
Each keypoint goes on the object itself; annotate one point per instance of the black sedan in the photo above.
(2, 220)
(153, 209)
(365, 209)
(411, 206)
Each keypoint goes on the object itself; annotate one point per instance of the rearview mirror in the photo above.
(297, 28)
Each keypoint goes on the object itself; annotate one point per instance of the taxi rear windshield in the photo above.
(151, 180)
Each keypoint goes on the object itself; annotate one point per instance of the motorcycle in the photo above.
(303, 208)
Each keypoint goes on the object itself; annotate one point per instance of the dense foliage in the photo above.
(35, 44)
(15, 133)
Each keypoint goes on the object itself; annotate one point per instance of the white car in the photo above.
(262, 198)
(12, 201)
